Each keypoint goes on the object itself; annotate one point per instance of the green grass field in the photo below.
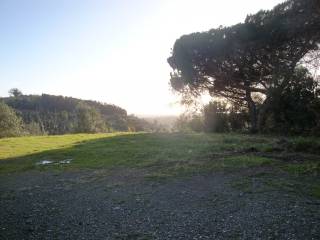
(165, 152)
(162, 156)
(126, 150)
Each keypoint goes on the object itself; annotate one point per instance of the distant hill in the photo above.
(57, 114)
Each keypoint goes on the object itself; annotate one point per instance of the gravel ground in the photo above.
(124, 205)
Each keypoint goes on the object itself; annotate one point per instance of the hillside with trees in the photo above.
(49, 114)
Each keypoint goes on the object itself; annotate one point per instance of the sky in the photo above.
(113, 51)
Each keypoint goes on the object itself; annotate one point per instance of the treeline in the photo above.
(293, 109)
(217, 116)
(48, 114)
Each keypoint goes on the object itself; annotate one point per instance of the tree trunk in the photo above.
(262, 117)
(252, 112)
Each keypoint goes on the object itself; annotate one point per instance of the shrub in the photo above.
(33, 129)
(89, 120)
(216, 117)
(10, 124)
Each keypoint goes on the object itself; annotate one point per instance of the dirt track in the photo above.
(125, 205)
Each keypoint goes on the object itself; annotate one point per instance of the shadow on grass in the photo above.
(93, 153)
(168, 151)
(126, 150)
(164, 153)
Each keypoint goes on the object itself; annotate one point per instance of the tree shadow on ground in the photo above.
(128, 150)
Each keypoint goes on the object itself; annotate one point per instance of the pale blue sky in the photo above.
(110, 51)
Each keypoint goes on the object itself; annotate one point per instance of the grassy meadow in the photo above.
(126, 150)
(165, 152)
(292, 163)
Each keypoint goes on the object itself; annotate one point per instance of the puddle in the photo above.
(65, 161)
(46, 162)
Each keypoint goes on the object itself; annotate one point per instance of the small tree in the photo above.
(189, 123)
(10, 124)
(216, 117)
(89, 120)
(33, 128)
(15, 92)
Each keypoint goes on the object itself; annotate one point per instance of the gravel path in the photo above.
(124, 205)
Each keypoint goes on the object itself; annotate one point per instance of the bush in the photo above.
(89, 120)
(189, 123)
(292, 108)
(216, 117)
(238, 119)
(10, 124)
(306, 145)
(33, 129)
